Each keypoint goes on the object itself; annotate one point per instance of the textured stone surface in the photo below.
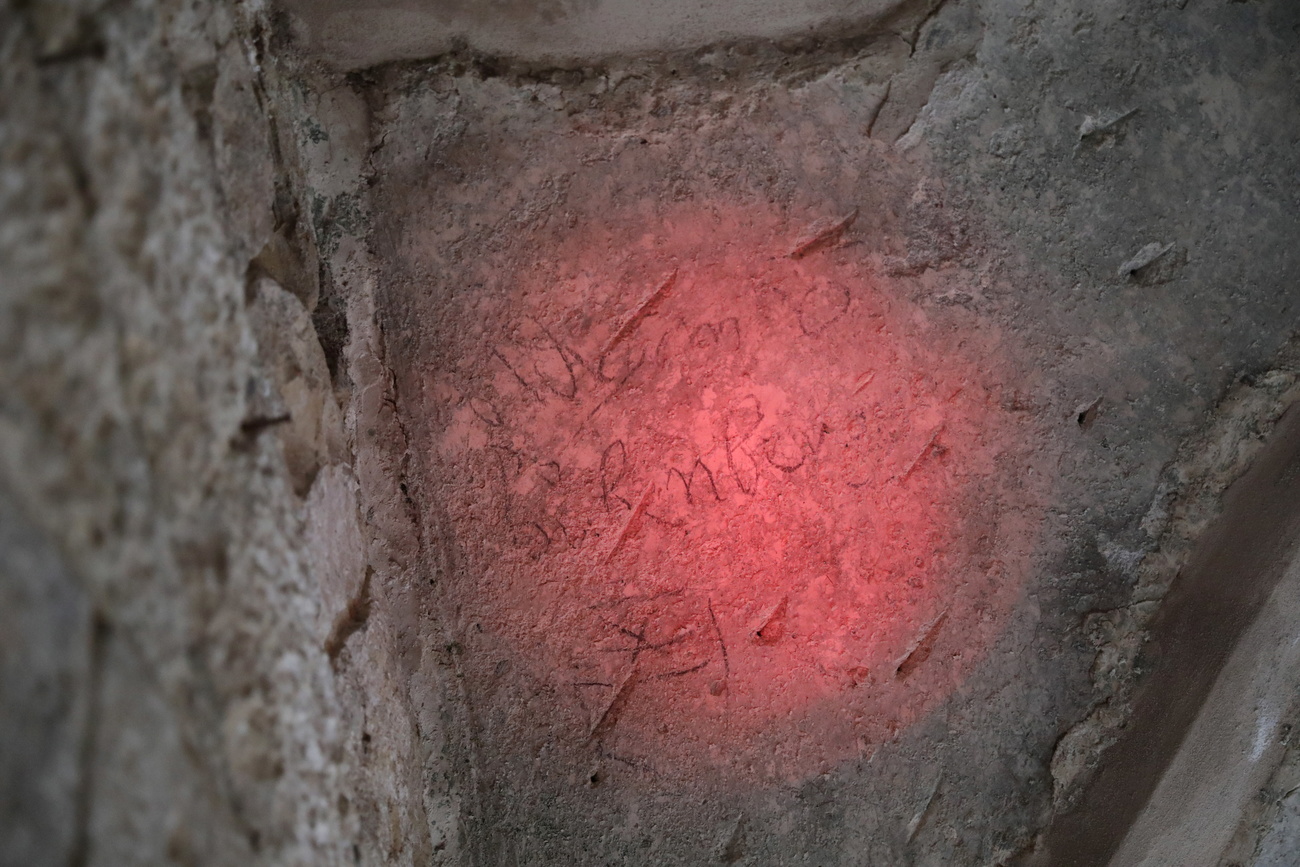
(301, 437)
(47, 679)
(570, 31)
(203, 724)
(995, 170)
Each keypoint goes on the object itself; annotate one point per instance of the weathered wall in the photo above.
(309, 383)
(568, 32)
(182, 545)
(1009, 167)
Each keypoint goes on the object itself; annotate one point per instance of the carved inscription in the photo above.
(739, 490)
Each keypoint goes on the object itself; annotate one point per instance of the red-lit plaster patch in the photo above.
(721, 504)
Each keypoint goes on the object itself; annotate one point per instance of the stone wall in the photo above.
(183, 540)
(306, 493)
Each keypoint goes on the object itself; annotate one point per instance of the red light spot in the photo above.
(725, 505)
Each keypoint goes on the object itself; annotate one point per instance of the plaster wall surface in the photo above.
(932, 334)
(1008, 194)
(1225, 759)
(568, 31)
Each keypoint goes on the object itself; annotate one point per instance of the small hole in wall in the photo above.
(1087, 414)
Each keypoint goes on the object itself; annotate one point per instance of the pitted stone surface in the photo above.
(303, 374)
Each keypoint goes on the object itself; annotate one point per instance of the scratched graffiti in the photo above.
(712, 500)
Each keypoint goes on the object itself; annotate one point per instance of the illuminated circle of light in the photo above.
(717, 503)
